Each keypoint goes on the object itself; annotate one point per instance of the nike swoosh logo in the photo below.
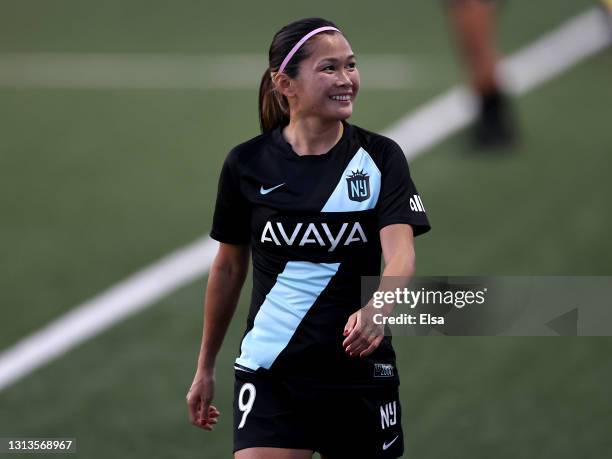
(387, 445)
(262, 190)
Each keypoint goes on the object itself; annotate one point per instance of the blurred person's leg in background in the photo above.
(474, 24)
(607, 7)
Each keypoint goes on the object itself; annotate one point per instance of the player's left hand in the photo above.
(362, 335)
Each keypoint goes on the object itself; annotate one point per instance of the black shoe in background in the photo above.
(495, 126)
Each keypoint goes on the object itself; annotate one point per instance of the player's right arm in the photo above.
(225, 280)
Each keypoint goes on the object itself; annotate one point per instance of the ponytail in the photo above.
(271, 110)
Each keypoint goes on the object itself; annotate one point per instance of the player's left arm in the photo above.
(397, 243)
(363, 336)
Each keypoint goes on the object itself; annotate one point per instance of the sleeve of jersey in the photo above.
(399, 201)
(231, 220)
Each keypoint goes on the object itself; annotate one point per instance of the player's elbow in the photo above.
(408, 265)
(403, 263)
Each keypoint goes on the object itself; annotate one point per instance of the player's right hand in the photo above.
(199, 397)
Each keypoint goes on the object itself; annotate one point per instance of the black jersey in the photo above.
(313, 224)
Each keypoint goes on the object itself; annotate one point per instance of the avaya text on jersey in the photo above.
(313, 233)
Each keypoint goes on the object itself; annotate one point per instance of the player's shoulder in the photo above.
(249, 150)
(378, 146)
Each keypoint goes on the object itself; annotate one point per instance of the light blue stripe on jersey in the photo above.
(339, 200)
(296, 290)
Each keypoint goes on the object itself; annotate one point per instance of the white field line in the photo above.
(188, 71)
(124, 299)
(571, 42)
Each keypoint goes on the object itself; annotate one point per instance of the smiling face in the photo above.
(329, 74)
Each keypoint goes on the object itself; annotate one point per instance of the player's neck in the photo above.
(311, 137)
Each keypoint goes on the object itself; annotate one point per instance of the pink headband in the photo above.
(300, 43)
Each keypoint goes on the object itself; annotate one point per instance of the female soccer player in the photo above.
(316, 201)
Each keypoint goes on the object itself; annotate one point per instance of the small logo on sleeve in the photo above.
(358, 185)
(416, 205)
(383, 370)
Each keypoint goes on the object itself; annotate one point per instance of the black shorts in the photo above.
(357, 423)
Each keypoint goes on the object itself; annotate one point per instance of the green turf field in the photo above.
(97, 183)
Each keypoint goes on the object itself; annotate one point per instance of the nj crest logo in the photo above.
(358, 186)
